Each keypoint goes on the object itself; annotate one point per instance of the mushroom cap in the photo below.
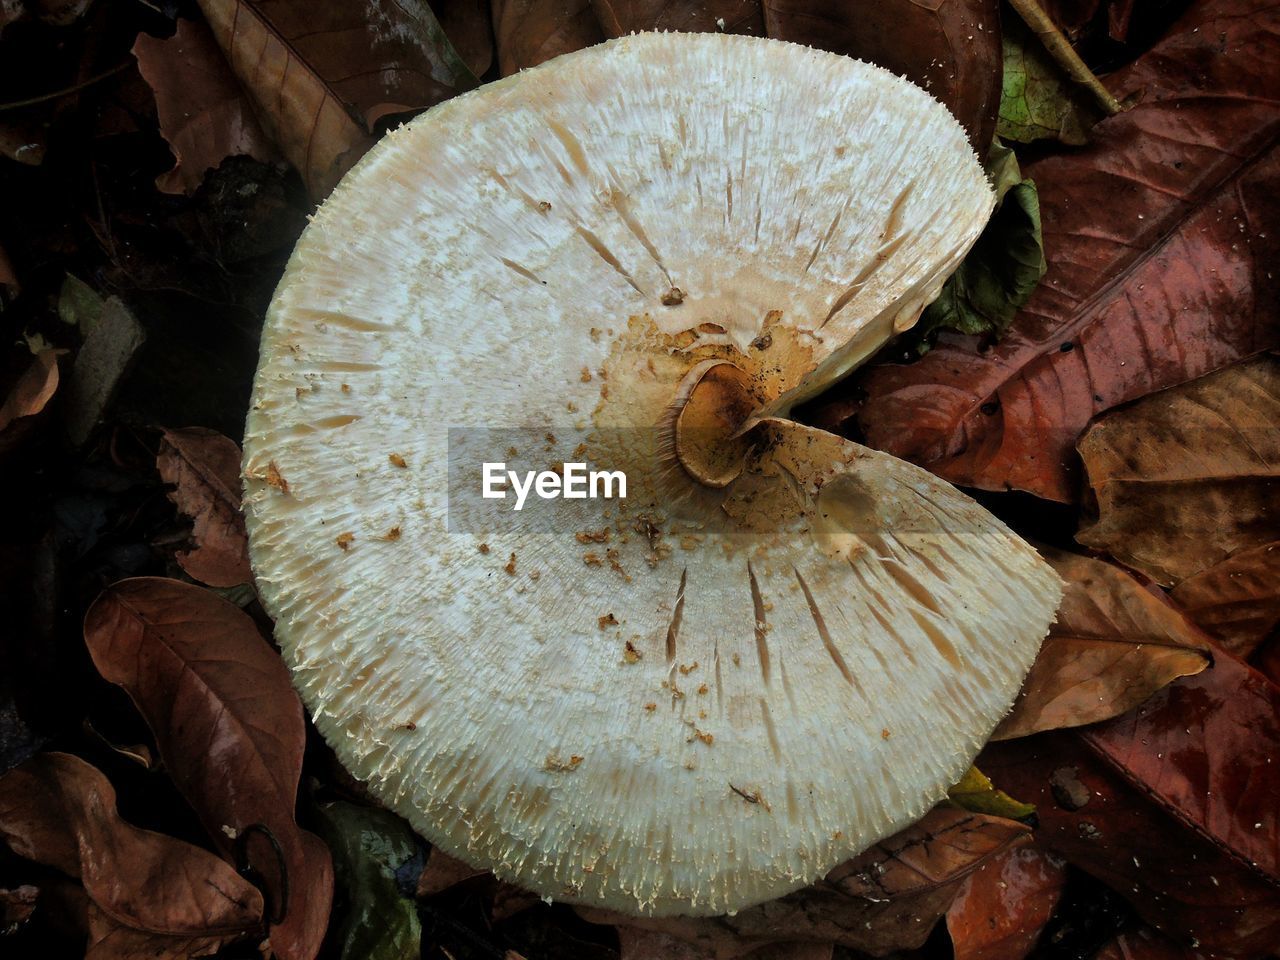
(781, 646)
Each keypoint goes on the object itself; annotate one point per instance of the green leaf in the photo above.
(1038, 101)
(1001, 270)
(977, 794)
(368, 845)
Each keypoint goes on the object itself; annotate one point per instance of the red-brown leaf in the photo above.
(1005, 903)
(1114, 644)
(1146, 944)
(1236, 601)
(620, 17)
(229, 727)
(1176, 879)
(886, 899)
(949, 47)
(60, 811)
(204, 466)
(529, 32)
(1206, 747)
(204, 115)
(1161, 246)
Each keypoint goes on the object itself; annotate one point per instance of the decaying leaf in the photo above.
(1161, 268)
(1236, 601)
(33, 390)
(529, 32)
(1114, 645)
(229, 729)
(368, 846)
(1004, 266)
(620, 17)
(1184, 479)
(204, 467)
(60, 811)
(1038, 101)
(1176, 879)
(976, 793)
(16, 906)
(1004, 905)
(1146, 944)
(949, 47)
(886, 899)
(204, 115)
(105, 355)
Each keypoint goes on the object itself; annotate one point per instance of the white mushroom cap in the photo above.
(781, 646)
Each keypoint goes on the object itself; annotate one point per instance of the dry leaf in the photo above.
(1161, 268)
(1114, 644)
(529, 32)
(204, 115)
(204, 466)
(33, 390)
(1236, 601)
(60, 811)
(886, 899)
(1184, 479)
(1005, 904)
(229, 728)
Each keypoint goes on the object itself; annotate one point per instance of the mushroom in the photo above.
(781, 646)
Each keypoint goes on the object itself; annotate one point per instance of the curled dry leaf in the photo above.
(949, 47)
(229, 729)
(885, 899)
(620, 17)
(529, 32)
(204, 467)
(1176, 879)
(203, 113)
(33, 390)
(1236, 601)
(1184, 479)
(1168, 278)
(60, 811)
(1114, 644)
(1005, 904)
(304, 64)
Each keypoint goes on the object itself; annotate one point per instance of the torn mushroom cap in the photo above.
(782, 646)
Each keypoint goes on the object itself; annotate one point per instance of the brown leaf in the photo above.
(1146, 944)
(16, 907)
(1235, 601)
(620, 17)
(1176, 879)
(60, 811)
(1161, 268)
(205, 468)
(886, 899)
(108, 940)
(1185, 479)
(1003, 906)
(469, 28)
(1114, 644)
(229, 728)
(1205, 747)
(444, 872)
(22, 143)
(204, 115)
(949, 47)
(34, 388)
(529, 32)
(638, 944)
(9, 284)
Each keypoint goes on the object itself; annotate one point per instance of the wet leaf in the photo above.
(1184, 479)
(1146, 944)
(229, 728)
(1205, 747)
(1001, 270)
(530, 32)
(1235, 601)
(1176, 879)
(368, 846)
(60, 811)
(1038, 101)
(949, 47)
(1114, 644)
(99, 367)
(1003, 906)
(976, 793)
(33, 390)
(204, 466)
(1160, 268)
(620, 17)
(886, 899)
(204, 115)
(322, 76)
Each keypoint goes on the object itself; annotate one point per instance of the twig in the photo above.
(31, 101)
(1064, 54)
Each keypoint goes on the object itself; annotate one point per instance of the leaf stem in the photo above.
(1064, 54)
(31, 101)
